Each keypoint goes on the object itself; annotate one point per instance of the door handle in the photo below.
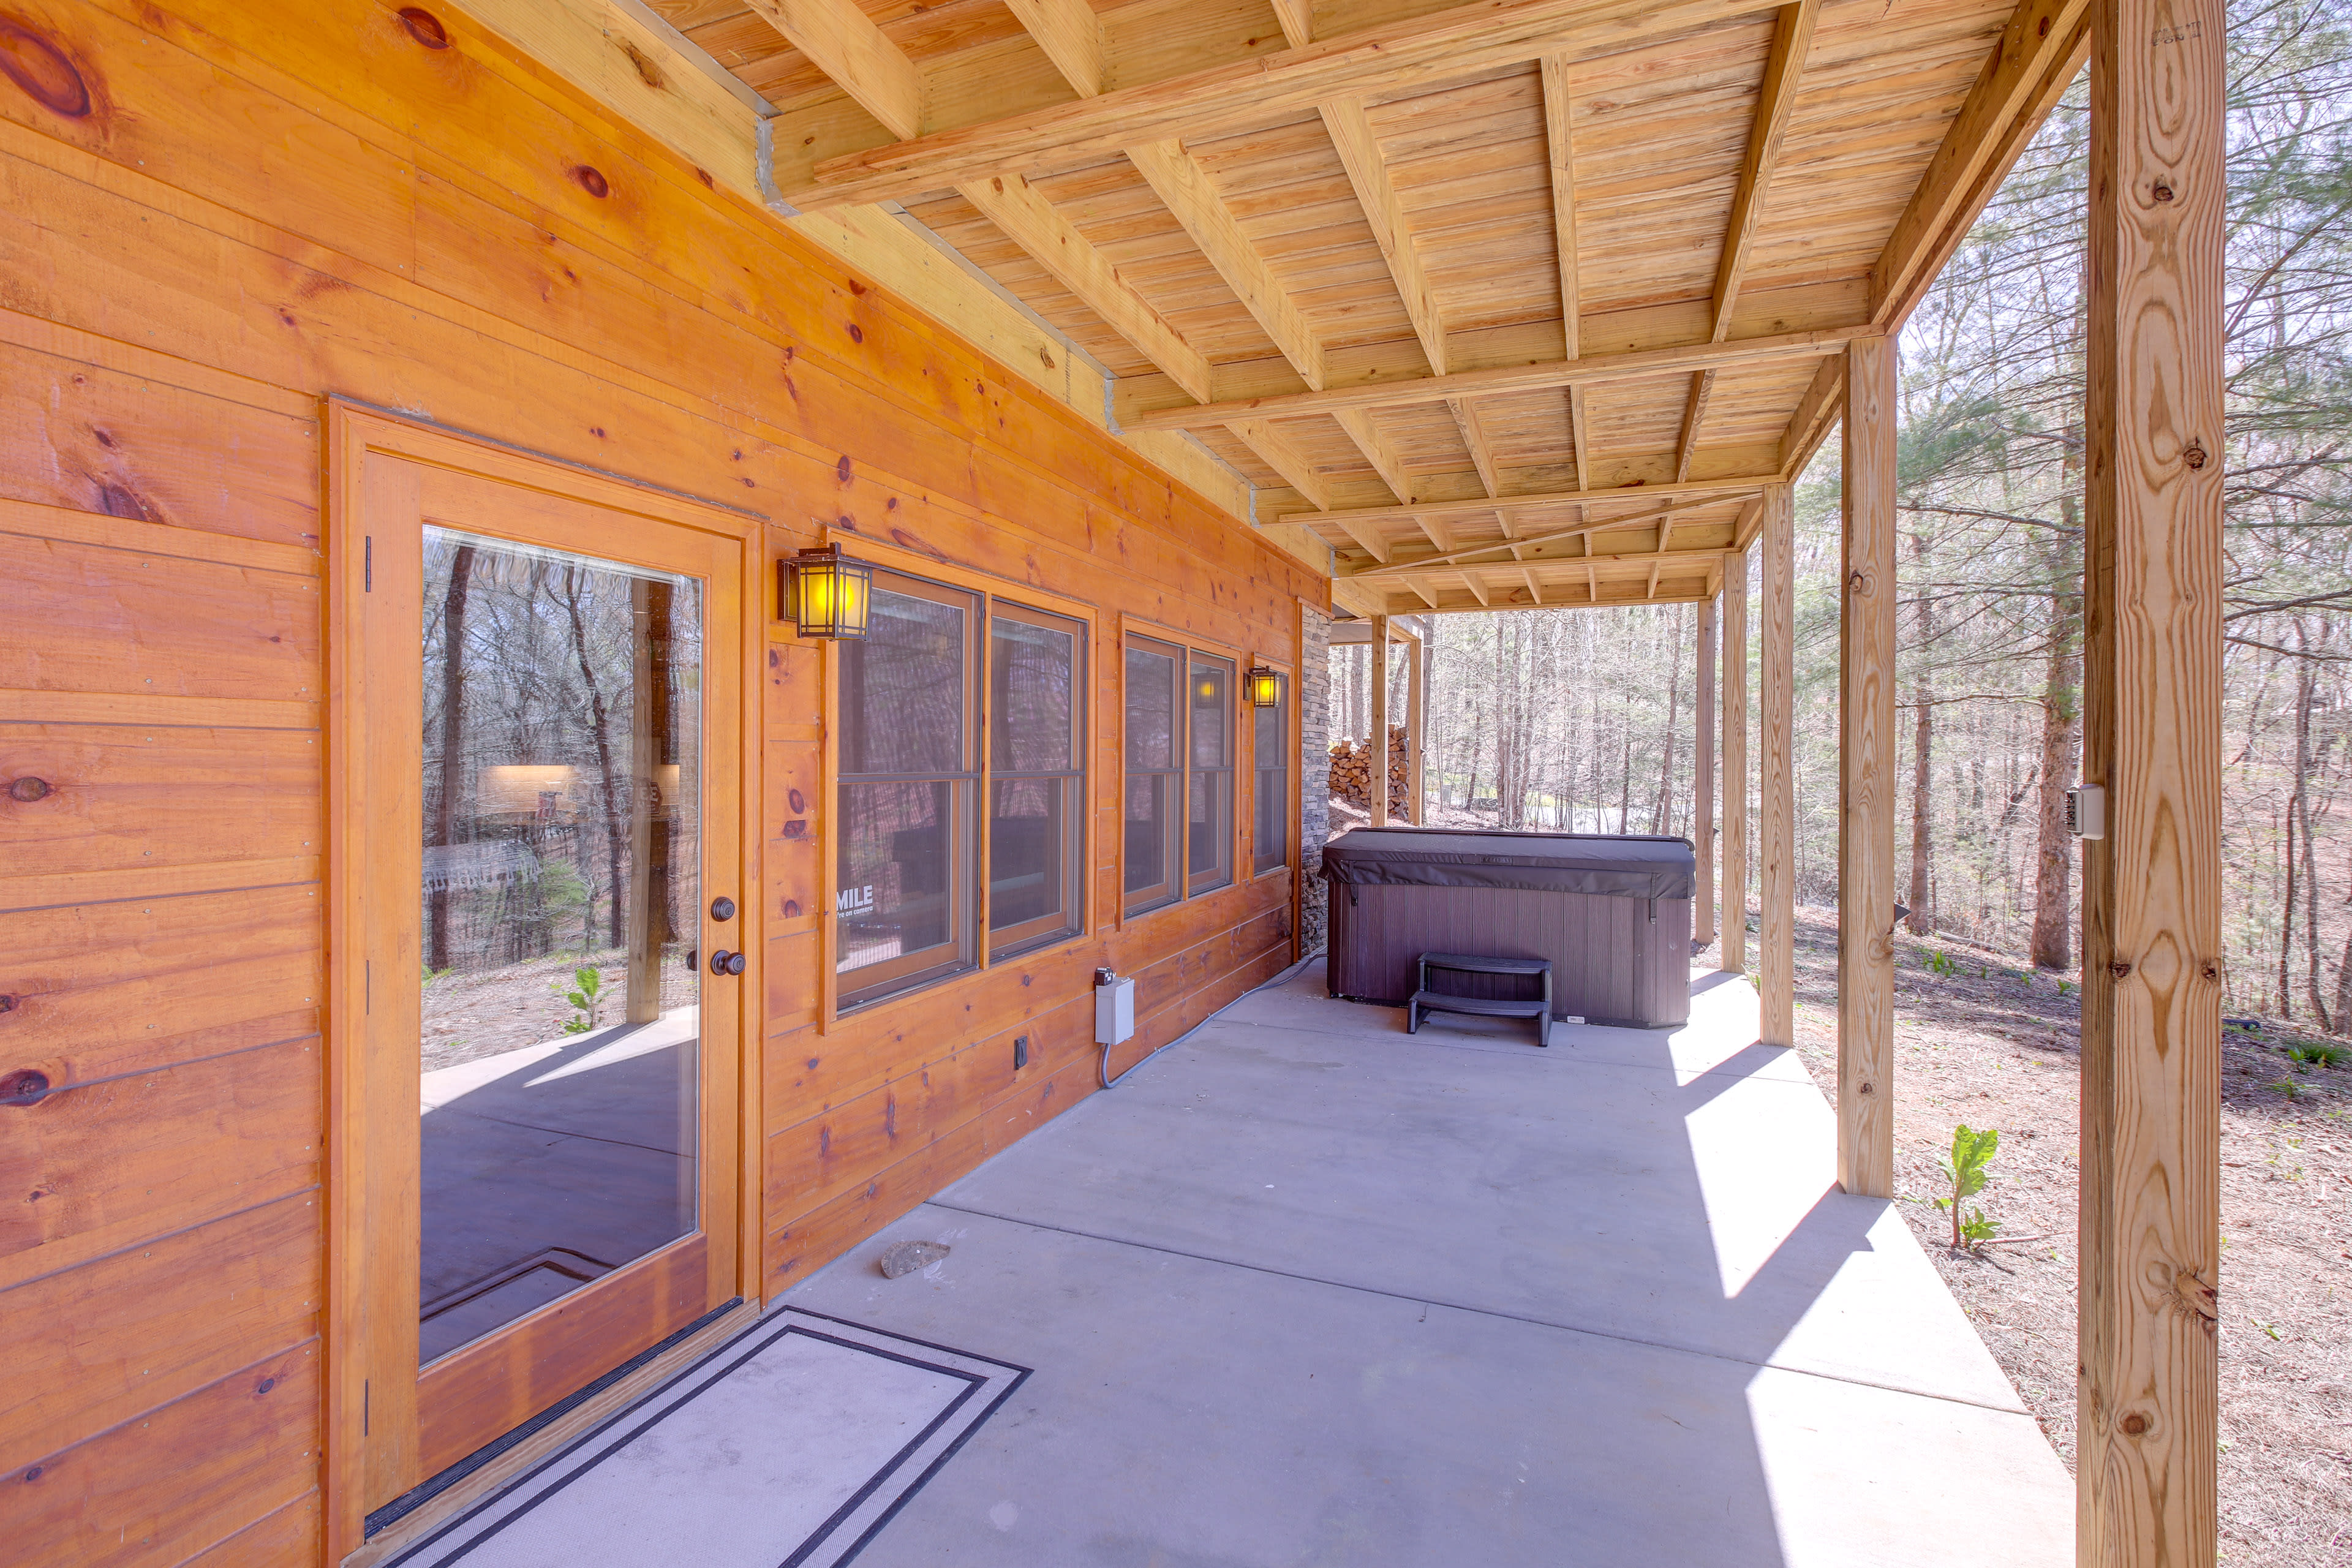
(725, 962)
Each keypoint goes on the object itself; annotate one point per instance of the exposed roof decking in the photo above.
(1220, 212)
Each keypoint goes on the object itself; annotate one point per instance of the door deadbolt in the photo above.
(725, 962)
(723, 907)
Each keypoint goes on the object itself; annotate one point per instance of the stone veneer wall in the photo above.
(1314, 773)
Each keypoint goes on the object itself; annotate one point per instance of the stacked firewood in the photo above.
(1352, 772)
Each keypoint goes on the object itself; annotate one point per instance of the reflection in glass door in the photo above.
(562, 1033)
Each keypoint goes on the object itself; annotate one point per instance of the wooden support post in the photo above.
(1776, 782)
(1378, 790)
(2149, 1243)
(1416, 716)
(1865, 1084)
(1703, 784)
(1733, 957)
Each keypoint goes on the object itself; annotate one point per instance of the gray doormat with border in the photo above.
(791, 1447)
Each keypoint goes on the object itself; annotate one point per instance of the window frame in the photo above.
(965, 893)
(1133, 629)
(1287, 748)
(831, 1011)
(1199, 884)
(1037, 935)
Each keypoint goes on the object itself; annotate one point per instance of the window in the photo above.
(1178, 792)
(1209, 834)
(1154, 781)
(1036, 796)
(909, 777)
(1270, 793)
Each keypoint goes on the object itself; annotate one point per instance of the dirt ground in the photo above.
(1987, 1042)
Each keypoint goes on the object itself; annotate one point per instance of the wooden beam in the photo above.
(1737, 487)
(1378, 450)
(1071, 35)
(841, 40)
(1474, 438)
(1038, 227)
(1440, 537)
(1776, 779)
(1296, 18)
(1577, 424)
(1559, 148)
(1588, 370)
(1792, 41)
(1350, 130)
(1865, 989)
(1703, 784)
(2028, 69)
(1256, 88)
(1733, 957)
(1450, 559)
(1810, 422)
(1535, 590)
(2152, 953)
(1702, 388)
(1283, 455)
(1652, 591)
(1471, 581)
(1378, 792)
(1180, 182)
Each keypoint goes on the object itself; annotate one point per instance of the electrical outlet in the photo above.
(1020, 1052)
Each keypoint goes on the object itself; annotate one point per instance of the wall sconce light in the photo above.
(1264, 687)
(824, 591)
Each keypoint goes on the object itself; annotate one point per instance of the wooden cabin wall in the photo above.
(213, 214)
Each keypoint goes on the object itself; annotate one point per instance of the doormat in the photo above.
(791, 1448)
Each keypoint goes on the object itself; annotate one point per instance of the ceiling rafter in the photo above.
(1350, 129)
(1559, 156)
(1792, 41)
(1737, 487)
(1473, 437)
(1586, 370)
(1583, 531)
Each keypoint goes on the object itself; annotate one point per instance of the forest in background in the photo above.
(1566, 719)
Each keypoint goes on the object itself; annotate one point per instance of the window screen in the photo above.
(909, 787)
(1270, 790)
(1209, 829)
(1154, 783)
(1036, 795)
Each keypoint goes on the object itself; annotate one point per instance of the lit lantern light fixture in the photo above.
(1264, 687)
(825, 591)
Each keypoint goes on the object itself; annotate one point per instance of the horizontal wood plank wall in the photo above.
(211, 215)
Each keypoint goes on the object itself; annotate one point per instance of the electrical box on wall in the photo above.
(2086, 810)
(1114, 1010)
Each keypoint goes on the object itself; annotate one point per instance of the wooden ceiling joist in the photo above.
(1585, 371)
(1351, 134)
(1717, 489)
(1792, 41)
(1517, 547)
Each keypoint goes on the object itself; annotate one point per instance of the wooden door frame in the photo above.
(353, 431)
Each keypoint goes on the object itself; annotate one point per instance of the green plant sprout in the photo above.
(1966, 1168)
(433, 974)
(586, 998)
(2319, 1053)
(1940, 963)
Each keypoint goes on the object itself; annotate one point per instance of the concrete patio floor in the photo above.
(1306, 1290)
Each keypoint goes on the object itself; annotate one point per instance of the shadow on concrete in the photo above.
(546, 1167)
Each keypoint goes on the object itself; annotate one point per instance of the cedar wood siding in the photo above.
(212, 217)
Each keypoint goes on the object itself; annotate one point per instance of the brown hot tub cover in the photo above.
(1606, 865)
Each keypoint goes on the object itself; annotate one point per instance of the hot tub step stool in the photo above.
(1426, 1000)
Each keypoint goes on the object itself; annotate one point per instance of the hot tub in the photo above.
(1612, 912)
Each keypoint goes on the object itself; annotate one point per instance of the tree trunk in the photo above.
(1661, 817)
(2051, 945)
(600, 727)
(2304, 682)
(453, 746)
(2286, 915)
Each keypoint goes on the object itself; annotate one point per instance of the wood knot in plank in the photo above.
(425, 26)
(26, 1086)
(42, 70)
(2191, 1290)
(28, 789)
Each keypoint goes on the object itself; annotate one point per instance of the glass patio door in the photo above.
(552, 848)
